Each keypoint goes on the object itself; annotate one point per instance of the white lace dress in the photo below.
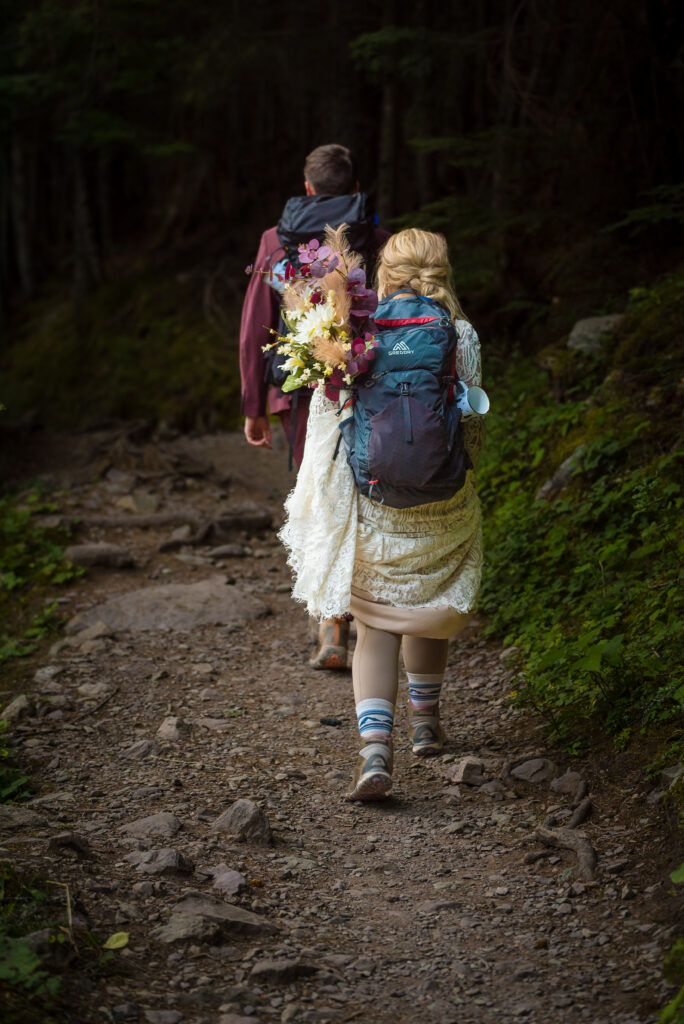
(429, 556)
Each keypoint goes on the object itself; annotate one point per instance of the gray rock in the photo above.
(71, 841)
(468, 771)
(563, 475)
(125, 1011)
(589, 335)
(538, 769)
(206, 918)
(172, 729)
(177, 606)
(435, 906)
(245, 821)
(86, 638)
(140, 750)
(228, 551)
(281, 970)
(17, 819)
(94, 691)
(494, 789)
(163, 1016)
(566, 783)
(48, 673)
(160, 862)
(226, 880)
(188, 928)
(238, 1018)
(209, 693)
(162, 824)
(109, 556)
(19, 708)
(671, 775)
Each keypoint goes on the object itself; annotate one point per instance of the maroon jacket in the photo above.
(261, 311)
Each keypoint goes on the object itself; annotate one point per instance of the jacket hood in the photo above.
(306, 217)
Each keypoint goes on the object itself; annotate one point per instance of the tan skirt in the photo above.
(440, 623)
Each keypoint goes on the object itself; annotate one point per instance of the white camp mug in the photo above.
(471, 401)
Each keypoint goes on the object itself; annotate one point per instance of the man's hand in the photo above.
(258, 431)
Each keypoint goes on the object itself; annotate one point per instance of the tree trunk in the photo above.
(87, 269)
(387, 152)
(20, 224)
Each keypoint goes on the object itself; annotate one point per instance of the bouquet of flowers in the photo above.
(326, 307)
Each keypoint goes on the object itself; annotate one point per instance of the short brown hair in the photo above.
(331, 170)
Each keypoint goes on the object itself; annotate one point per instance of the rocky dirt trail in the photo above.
(191, 784)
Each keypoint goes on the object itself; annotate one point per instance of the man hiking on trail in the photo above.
(332, 197)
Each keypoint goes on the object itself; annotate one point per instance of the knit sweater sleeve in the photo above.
(469, 370)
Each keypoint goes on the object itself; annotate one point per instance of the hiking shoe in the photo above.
(426, 733)
(333, 637)
(373, 775)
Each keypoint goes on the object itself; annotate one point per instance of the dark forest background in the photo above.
(544, 138)
(144, 147)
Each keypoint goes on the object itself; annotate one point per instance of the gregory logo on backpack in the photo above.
(400, 349)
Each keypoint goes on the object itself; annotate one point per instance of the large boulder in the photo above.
(589, 335)
(177, 606)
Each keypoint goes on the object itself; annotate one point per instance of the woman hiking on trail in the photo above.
(404, 558)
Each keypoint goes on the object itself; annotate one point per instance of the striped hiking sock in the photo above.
(376, 718)
(424, 690)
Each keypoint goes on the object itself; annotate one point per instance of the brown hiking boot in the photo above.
(426, 733)
(333, 637)
(373, 774)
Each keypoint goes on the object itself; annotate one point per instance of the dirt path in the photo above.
(420, 909)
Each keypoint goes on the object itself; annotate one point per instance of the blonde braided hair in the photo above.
(418, 261)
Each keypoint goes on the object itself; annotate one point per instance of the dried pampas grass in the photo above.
(326, 350)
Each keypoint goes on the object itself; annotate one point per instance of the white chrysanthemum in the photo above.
(318, 320)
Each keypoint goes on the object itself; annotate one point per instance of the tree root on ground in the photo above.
(568, 839)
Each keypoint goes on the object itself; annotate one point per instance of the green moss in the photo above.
(138, 348)
(588, 584)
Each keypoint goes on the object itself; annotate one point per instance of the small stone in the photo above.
(125, 1011)
(158, 862)
(616, 866)
(18, 819)
(144, 888)
(172, 729)
(494, 789)
(467, 771)
(226, 880)
(435, 906)
(281, 970)
(210, 693)
(245, 821)
(140, 750)
(330, 720)
(565, 908)
(162, 824)
(48, 673)
(566, 783)
(97, 631)
(227, 551)
(71, 841)
(17, 709)
(108, 556)
(93, 691)
(163, 1016)
(538, 769)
